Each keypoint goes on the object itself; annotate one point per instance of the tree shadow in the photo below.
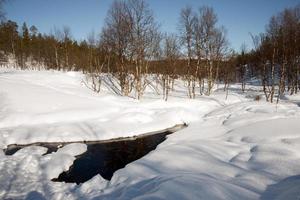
(110, 84)
(288, 188)
(34, 195)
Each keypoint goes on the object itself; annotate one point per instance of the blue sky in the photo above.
(240, 17)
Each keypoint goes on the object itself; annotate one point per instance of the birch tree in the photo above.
(186, 23)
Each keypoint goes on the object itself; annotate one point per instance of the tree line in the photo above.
(277, 54)
(133, 50)
(53, 51)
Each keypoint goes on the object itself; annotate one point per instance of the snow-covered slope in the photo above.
(232, 149)
(54, 106)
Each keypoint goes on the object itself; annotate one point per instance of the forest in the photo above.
(131, 47)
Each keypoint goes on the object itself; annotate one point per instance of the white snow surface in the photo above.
(234, 148)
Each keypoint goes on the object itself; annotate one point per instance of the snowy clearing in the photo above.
(234, 148)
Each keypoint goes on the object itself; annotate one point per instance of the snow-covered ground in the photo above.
(234, 148)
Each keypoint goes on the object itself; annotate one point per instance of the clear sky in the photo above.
(240, 17)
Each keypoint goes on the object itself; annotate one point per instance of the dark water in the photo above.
(106, 158)
(103, 158)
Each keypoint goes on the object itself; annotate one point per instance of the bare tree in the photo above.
(198, 34)
(171, 54)
(132, 35)
(186, 23)
(92, 42)
(273, 31)
(242, 66)
(206, 43)
(115, 37)
(144, 36)
(56, 39)
(278, 53)
(94, 66)
(66, 36)
(213, 44)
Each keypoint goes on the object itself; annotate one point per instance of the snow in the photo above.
(28, 170)
(234, 148)
(59, 106)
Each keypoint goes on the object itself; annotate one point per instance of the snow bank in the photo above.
(29, 171)
(53, 106)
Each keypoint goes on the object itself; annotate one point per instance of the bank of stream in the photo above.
(104, 157)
